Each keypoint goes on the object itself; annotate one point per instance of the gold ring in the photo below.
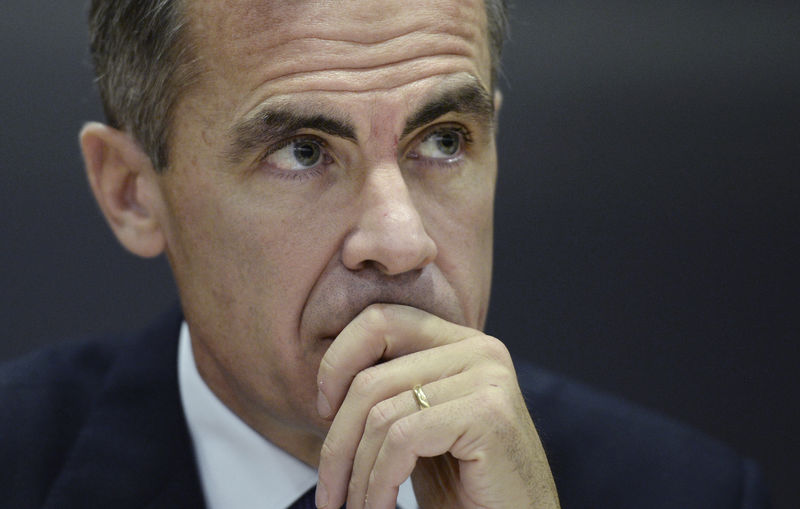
(422, 399)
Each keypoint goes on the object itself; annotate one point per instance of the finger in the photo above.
(380, 418)
(427, 433)
(381, 331)
(386, 413)
(377, 385)
(500, 459)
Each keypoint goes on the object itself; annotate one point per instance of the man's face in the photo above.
(333, 154)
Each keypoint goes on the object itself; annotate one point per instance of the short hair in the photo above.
(144, 62)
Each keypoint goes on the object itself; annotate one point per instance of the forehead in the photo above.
(256, 49)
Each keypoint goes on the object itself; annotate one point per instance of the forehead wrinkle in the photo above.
(374, 80)
(392, 32)
(305, 59)
(415, 42)
(255, 36)
(434, 75)
(384, 67)
(240, 19)
(304, 41)
(361, 65)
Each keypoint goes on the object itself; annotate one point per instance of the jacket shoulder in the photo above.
(46, 396)
(97, 423)
(602, 448)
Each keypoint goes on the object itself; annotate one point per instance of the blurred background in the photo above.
(648, 210)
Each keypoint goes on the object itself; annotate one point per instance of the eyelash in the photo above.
(460, 129)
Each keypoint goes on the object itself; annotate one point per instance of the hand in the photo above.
(476, 445)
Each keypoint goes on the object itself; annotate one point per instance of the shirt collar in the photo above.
(238, 467)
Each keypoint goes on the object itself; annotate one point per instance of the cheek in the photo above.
(461, 224)
(466, 209)
(244, 272)
(256, 257)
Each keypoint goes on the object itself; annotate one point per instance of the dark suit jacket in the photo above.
(99, 424)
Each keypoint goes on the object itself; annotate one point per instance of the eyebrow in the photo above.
(273, 124)
(469, 99)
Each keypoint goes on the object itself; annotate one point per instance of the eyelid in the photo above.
(292, 139)
(444, 126)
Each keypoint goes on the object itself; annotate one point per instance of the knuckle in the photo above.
(494, 349)
(377, 480)
(364, 383)
(399, 434)
(501, 376)
(325, 366)
(327, 452)
(373, 317)
(382, 415)
(354, 487)
(497, 404)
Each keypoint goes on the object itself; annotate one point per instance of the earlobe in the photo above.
(126, 187)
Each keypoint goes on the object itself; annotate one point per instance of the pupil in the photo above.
(448, 143)
(307, 154)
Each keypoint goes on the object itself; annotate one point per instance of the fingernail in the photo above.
(323, 407)
(321, 496)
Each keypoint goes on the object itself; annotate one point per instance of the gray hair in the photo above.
(144, 63)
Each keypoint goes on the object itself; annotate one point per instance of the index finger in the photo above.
(380, 331)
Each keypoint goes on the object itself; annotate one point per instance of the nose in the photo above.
(388, 234)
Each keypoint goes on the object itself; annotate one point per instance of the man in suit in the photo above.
(320, 175)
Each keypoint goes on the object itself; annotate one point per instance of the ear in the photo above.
(498, 103)
(126, 187)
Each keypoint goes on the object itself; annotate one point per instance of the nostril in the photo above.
(374, 265)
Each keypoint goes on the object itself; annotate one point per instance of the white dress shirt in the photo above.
(239, 469)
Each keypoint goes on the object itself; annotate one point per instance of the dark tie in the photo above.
(307, 501)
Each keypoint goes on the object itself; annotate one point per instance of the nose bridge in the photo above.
(389, 232)
(385, 189)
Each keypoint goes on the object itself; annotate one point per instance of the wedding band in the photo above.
(422, 399)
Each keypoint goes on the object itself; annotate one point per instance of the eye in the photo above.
(298, 155)
(441, 145)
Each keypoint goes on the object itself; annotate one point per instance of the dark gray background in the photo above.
(647, 215)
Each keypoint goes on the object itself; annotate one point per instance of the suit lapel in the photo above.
(134, 449)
